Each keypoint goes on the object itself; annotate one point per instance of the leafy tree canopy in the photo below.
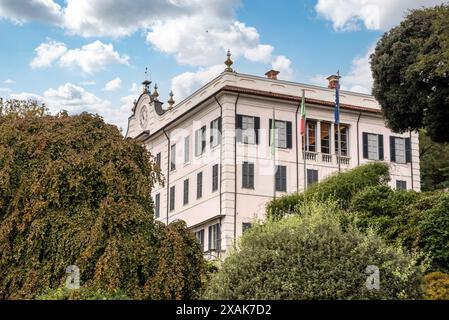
(73, 191)
(410, 68)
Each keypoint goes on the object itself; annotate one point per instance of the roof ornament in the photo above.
(146, 83)
(170, 101)
(228, 62)
(155, 94)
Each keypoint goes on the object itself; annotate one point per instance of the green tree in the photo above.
(410, 68)
(310, 256)
(434, 163)
(73, 191)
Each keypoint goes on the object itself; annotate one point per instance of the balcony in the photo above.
(325, 158)
(309, 156)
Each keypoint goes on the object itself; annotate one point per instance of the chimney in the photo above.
(333, 80)
(272, 74)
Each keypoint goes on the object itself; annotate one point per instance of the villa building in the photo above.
(220, 169)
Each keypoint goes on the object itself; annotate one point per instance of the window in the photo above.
(187, 149)
(214, 237)
(199, 185)
(215, 177)
(186, 191)
(282, 134)
(246, 226)
(158, 160)
(312, 176)
(157, 205)
(343, 139)
(373, 146)
(248, 175)
(247, 128)
(200, 141)
(311, 136)
(199, 235)
(325, 131)
(281, 178)
(173, 157)
(172, 198)
(401, 184)
(215, 132)
(400, 150)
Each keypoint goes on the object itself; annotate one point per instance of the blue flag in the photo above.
(337, 103)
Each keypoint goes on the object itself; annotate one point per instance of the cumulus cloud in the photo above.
(47, 53)
(76, 99)
(283, 65)
(358, 79)
(32, 10)
(113, 85)
(348, 15)
(187, 82)
(90, 58)
(6, 90)
(9, 82)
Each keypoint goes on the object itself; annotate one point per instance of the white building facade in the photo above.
(214, 149)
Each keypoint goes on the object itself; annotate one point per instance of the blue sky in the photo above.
(83, 55)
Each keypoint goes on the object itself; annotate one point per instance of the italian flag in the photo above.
(303, 115)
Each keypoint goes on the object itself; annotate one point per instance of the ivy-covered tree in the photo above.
(73, 191)
(410, 68)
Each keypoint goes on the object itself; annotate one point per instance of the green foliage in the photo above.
(410, 68)
(417, 221)
(73, 191)
(437, 286)
(434, 231)
(434, 163)
(341, 187)
(310, 257)
(81, 294)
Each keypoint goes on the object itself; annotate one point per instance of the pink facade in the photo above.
(223, 200)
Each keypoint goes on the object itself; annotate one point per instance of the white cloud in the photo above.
(90, 58)
(7, 90)
(347, 15)
(32, 10)
(47, 53)
(9, 82)
(75, 100)
(203, 41)
(358, 79)
(283, 65)
(113, 85)
(187, 82)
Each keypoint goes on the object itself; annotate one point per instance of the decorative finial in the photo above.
(170, 101)
(155, 94)
(146, 83)
(228, 62)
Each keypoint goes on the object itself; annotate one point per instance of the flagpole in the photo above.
(304, 143)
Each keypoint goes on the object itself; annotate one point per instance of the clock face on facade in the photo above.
(143, 118)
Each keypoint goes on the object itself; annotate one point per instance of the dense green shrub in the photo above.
(437, 286)
(81, 294)
(309, 256)
(73, 191)
(434, 232)
(417, 221)
(341, 187)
